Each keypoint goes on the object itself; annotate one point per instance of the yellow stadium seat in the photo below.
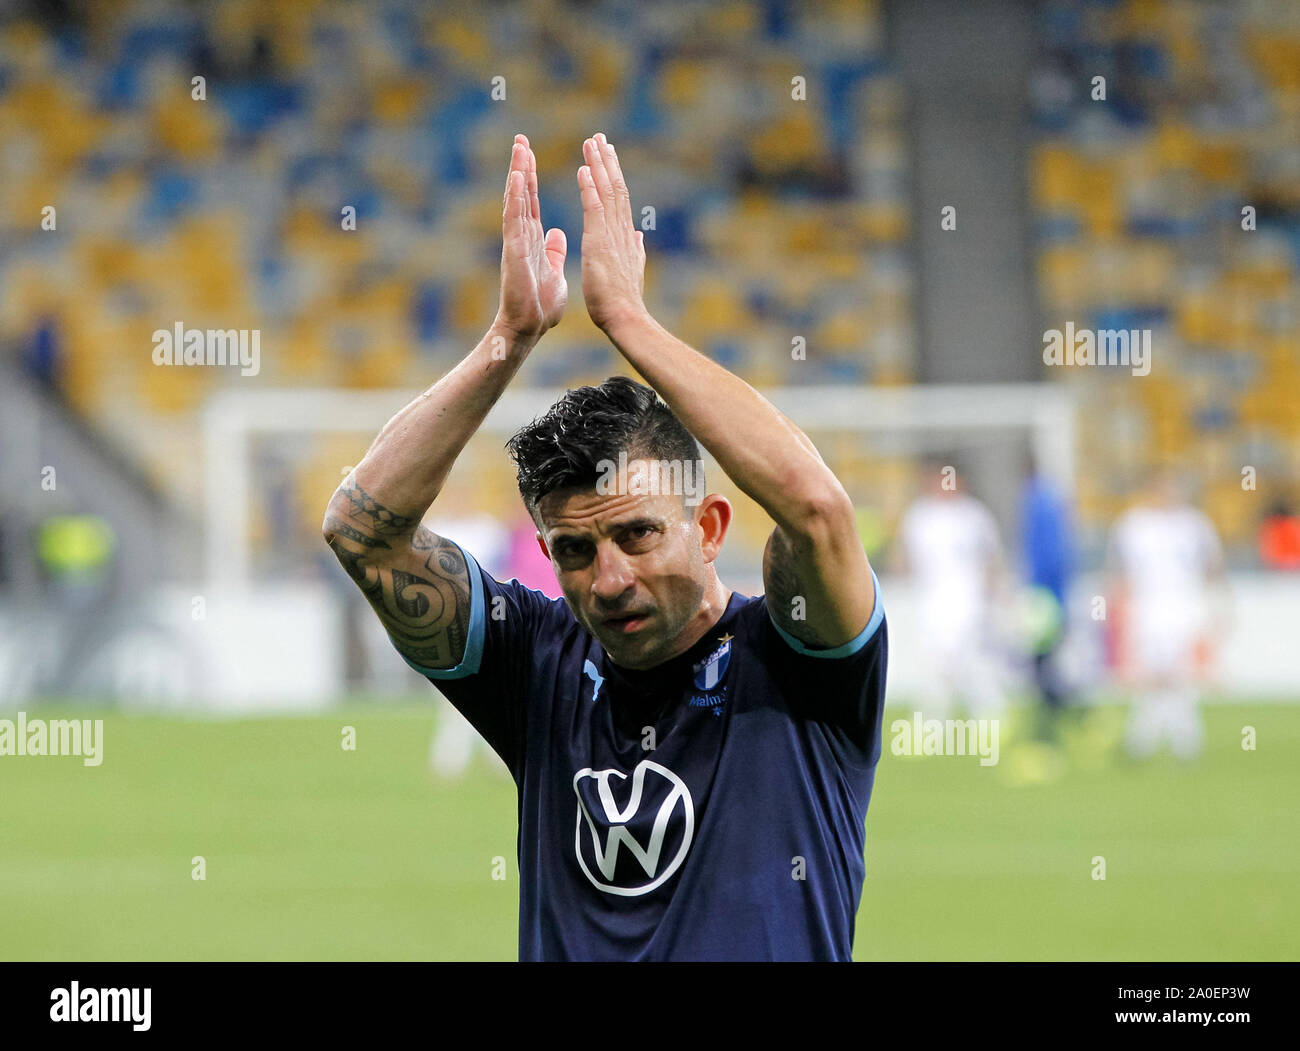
(1175, 145)
(1221, 162)
(1061, 274)
(713, 307)
(887, 222)
(473, 298)
(398, 100)
(680, 83)
(1100, 206)
(1141, 17)
(1197, 319)
(730, 21)
(1235, 514)
(187, 128)
(1277, 57)
(1055, 178)
(174, 389)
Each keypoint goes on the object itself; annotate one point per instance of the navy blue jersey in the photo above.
(710, 808)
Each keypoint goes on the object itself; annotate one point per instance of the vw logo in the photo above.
(657, 818)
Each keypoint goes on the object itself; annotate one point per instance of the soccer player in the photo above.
(1166, 563)
(949, 543)
(454, 742)
(693, 765)
(1046, 542)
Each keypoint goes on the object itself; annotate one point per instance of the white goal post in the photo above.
(1043, 412)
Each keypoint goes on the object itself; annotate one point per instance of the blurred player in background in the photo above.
(1047, 552)
(950, 545)
(509, 553)
(1168, 581)
(454, 740)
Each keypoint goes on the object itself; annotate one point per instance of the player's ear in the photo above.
(542, 544)
(712, 517)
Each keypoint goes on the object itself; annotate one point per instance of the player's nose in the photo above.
(612, 575)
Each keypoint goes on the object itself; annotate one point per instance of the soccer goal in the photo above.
(871, 437)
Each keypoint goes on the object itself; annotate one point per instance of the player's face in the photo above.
(631, 568)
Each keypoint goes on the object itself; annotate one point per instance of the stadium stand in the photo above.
(1139, 207)
(227, 212)
(771, 219)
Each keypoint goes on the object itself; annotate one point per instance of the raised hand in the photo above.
(533, 289)
(613, 250)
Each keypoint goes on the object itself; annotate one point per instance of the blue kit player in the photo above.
(693, 764)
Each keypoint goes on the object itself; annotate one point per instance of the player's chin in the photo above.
(635, 658)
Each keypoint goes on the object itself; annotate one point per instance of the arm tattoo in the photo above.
(781, 579)
(417, 582)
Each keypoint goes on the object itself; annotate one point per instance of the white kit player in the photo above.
(454, 740)
(951, 548)
(1166, 564)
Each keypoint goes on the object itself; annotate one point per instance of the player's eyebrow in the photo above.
(635, 523)
(563, 534)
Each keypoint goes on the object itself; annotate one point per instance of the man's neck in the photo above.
(714, 605)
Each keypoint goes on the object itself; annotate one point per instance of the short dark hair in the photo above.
(563, 448)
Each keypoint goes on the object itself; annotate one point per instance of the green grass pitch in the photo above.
(317, 853)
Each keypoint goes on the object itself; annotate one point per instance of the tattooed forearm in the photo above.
(426, 608)
(786, 595)
(417, 582)
(368, 515)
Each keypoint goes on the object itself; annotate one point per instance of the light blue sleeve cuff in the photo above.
(849, 648)
(469, 664)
